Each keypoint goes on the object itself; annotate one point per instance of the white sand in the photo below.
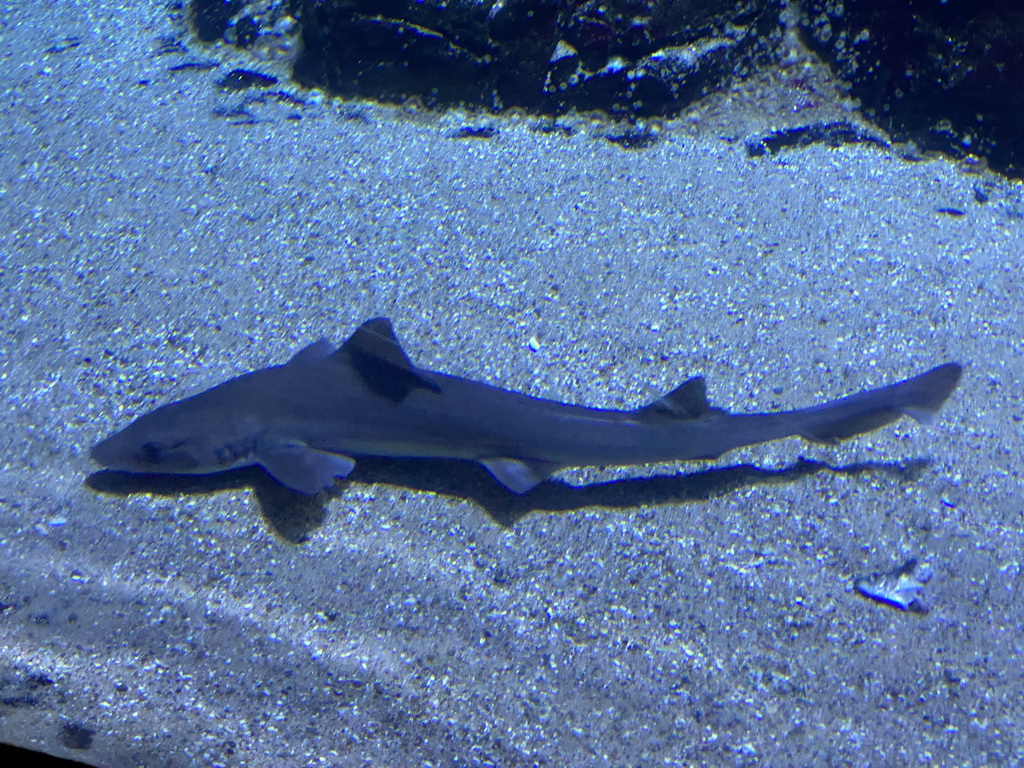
(150, 249)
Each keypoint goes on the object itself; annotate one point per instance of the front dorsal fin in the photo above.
(687, 401)
(318, 350)
(374, 353)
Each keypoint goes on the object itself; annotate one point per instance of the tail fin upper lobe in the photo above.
(920, 398)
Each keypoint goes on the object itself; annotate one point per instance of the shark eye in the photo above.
(150, 453)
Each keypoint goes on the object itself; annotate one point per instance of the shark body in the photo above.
(304, 421)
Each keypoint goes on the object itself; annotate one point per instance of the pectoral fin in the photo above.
(303, 469)
(519, 475)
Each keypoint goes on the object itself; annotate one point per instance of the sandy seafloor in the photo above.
(150, 249)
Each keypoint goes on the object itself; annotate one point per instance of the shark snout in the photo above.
(103, 453)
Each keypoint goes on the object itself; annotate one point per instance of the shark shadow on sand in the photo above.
(295, 516)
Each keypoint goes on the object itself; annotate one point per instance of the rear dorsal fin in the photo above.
(687, 401)
(374, 353)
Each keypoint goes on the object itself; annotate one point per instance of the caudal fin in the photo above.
(920, 398)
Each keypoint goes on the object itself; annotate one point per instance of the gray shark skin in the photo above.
(303, 421)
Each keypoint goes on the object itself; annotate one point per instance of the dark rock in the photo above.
(946, 75)
(633, 138)
(76, 736)
(247, 31)
(241, 79)
(623, 57)
(830, 134)
(193, 66)
(551, 127)
(474, 132)
(212, 19)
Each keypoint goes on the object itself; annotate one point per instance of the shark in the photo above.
(307, 421)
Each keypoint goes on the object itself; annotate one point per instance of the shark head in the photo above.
(172, 440)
